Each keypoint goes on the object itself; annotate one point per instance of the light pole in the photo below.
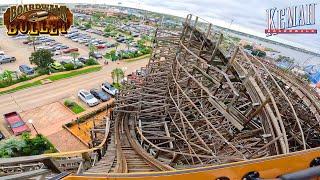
(31, 122)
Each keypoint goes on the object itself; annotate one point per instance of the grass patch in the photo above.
(52, 78)
(137, 58)
(74, 73)
(77, 109)
(27, 85)
(74, 107)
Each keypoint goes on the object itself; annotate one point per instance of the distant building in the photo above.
(255, 46)
(3, 9)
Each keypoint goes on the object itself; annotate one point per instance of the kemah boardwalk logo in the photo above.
(35, 19)
(291, 20)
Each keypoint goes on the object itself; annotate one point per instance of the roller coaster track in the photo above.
(130, 156)
(202, 102)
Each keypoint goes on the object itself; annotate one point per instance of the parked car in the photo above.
(84, 40)
(2, 136)
(16, 124)
(64, 47)
(120, 39)
(88, 98)
(135, 34)
(56, 66)
(58, 52)
(6, 59)
(100, 46)
(71, 50)
(109, 88)
(77, 63)
(96, 55)
(83, 59)
(133, 78)
(26, 69)
(99, 94)
(26, 41)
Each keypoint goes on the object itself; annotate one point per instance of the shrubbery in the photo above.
(69, 66)
(43, 71)
(7, 78)
(69, 103)
(26, 146)
(74, 107)
(91, 62)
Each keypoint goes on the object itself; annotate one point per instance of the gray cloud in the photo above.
(247, 15)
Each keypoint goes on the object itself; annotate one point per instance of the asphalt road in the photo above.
(37, 96)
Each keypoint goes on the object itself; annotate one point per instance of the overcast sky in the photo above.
(247, 15)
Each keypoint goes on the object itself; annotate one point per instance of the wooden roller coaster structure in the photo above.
(204, 108)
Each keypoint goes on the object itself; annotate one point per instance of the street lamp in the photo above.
(31, 122)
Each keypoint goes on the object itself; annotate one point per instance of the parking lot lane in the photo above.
(14, 48)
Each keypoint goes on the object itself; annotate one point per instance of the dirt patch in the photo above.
(82, 130)
(48, 119)
(64, 141)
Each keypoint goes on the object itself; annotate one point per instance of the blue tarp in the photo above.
(314, 78)
(313, 72)
(284, 64)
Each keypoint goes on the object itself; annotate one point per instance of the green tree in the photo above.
(88, 25)
(111, 55)
(25, 146)
(92, 49)
(109, 28)
(42, 58)
(76, 22)
(11, 147)
(32, 39)
(258, 53)
(141, 42)
(74, 56)
(117, 74)
(248, 46)
(97, 16)
(7, 77)
(91, 61)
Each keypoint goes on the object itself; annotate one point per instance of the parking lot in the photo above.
(13, 48)
(31, 98)
(35, 103)
(21, 48)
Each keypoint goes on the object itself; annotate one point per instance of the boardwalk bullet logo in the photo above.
(35, 19)
(291, 20)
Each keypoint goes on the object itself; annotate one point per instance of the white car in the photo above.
(88, 98)
(109, 89)
(58, 52)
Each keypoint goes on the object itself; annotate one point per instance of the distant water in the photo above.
(301, 58)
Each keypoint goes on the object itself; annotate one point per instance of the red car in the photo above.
(133, 78)
(26, 41)
(17, 125)
(71, 50)
(101, 46)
